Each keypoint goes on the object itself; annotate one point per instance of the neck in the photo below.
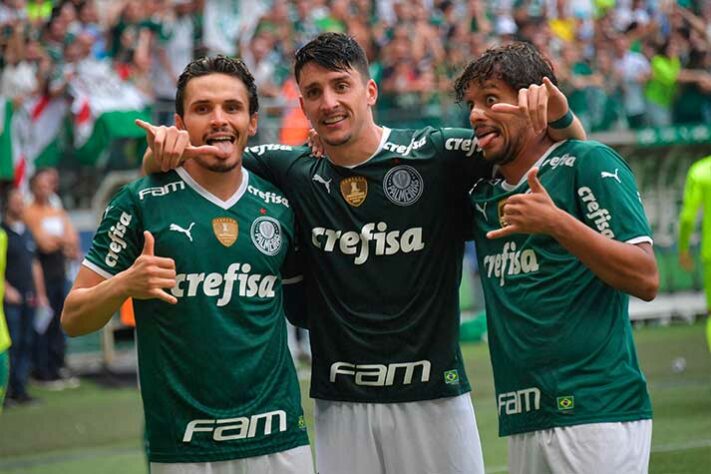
(357, 151)
(221, 185)
(11, 220)
(530, 152)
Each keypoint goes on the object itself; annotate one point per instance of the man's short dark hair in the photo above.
(216, 65)
(332, 51)
(517, 64)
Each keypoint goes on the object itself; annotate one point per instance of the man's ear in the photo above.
(252, 130)
(179, 122)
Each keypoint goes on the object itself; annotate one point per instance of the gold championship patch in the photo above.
(500, 211)
(354, 190)
(226, 230)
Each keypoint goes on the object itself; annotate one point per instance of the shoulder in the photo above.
(264, 190)
(276, 151)
(157, 184)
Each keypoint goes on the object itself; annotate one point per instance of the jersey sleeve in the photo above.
(459, 146)
(294, 288)
(119, 238)
(689, 208)
(608, 198)
(272, 161)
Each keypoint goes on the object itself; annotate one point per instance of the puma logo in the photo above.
(607, 174)
(177, 228)
(482, 210)
(326, 183)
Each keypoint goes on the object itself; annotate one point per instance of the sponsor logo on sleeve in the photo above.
(599, 216)
(116, 241)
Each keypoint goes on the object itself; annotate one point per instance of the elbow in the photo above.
(68, 325)
(649, 286)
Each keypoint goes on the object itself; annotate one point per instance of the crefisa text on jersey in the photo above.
(358, 244)
(510, 261)
(116, 233)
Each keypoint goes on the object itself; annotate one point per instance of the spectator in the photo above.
(662, 84)
(57, 242)
(24, 293)
(178, 39)
(632, 70)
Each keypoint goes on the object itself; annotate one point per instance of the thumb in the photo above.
(533, 181)
(149, 243)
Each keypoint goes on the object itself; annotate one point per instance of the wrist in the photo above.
(563, 122)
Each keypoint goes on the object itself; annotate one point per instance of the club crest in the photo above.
(403, 185)
(266, 235)
(354, 190)
(226, 230)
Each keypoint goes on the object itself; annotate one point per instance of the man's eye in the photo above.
(491, 100)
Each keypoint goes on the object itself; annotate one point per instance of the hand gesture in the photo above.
(542, 104)
(150, 275)
(530, 213)
(314, 142)
(171, 146)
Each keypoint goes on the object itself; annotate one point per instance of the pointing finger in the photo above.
(145, 126)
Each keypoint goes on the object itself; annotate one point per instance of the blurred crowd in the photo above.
(623, 63)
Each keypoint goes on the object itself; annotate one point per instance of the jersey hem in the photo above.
(302, 440)
(464, 389)
(647, 415)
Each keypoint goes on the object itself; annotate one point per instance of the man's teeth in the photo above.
(334, 120)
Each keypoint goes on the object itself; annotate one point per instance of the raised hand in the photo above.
(529, 213)
(541, 103)
(150, 275)
(171, 145)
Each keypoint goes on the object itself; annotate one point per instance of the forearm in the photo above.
(626, 267)
(574, 131)
(149, 163)
(89, 309)
(38, 278)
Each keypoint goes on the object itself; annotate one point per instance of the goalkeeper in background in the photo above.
(697, 194)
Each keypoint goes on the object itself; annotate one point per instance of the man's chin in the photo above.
(336, 140)
(217, 165)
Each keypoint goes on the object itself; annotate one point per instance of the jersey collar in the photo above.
(383, 139)
(211, 197)
(510, 187)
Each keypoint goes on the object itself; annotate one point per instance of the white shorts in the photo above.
(292, 461)
(427, 437)
(596, 448)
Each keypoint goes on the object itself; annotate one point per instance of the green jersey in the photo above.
(560, 338)
(697, 195)
(384, 243)
(217, 380)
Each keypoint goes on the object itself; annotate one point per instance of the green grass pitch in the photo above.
(93, 430)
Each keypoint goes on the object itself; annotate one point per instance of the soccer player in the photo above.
(383, 221)
(203, 251)
(562, 238)
(697, 195)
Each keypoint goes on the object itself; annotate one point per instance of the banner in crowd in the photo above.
(7, 168)
(103, 109)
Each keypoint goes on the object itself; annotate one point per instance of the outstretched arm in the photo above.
(631, 268)
(93, 299)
